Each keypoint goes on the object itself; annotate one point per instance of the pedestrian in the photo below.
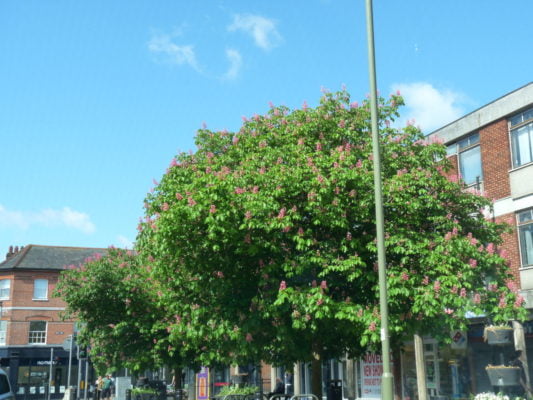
(99, 386)
(106, 387)
(279, 389)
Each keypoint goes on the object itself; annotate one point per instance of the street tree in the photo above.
(262, 242)
(113, 298)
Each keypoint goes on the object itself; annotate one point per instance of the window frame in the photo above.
(465, 144)
(3, 332)
(516, 122)
(520, 225)
(36, 288)
(37, 337)
(8, 289)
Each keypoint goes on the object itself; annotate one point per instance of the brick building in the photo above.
(31, 329)
(492, 151)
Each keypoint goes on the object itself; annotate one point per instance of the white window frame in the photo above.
(37, 337)
(466, 144)
(7, 284)
(517, 122)
(37, 289)
(528, 222)
(3, 332)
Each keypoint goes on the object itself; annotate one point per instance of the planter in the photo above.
(500, 375)
(498, 335)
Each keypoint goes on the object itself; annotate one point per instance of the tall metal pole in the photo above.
(387, 392)
(70, 360)
(50, 372)
(86, 386)
(78, 386)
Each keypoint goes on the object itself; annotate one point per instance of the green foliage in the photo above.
(263, 240)
(238, 390)
(138, 391)
(113, 296)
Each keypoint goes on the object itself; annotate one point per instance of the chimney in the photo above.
(13, 251)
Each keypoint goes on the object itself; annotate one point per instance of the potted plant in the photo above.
(498, 334)
(140, 393)
(501, 375)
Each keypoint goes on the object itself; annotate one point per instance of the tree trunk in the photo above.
(316, 376)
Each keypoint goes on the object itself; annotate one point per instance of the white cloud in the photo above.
(163, 44)
(124, 242)
(235, 60)
(263, 30)
(65, 217)
(430, 108)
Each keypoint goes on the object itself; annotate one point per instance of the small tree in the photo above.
(263, 241)
(115, 299)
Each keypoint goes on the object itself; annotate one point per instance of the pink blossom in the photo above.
(319, 301)
(448, 311)
(436, 286)
(247, 215)
(318, 146)
(502, 303)
(425, 281)
(359, 164)
(282, 213)
(454, 289)
(519, 301)
(320, 178)
(262, 144)
(323, 285)
(477, 298)
(354, 104)
(448, 236)
(492, 287)
(191, 201)
(255, 189)
(179, 196)
(304, 106)
(405, 276)
(282, 285)
(220, 274)
(463, 292)
(342, 123)
(279, 160)
(490, 248)
(239, 190)
(165, 207)
(300, 231)
(372, 326)
(212, 209)
(155, 182)
(235, 139)
(300, 142)
(502, 253)
(173, 163)
(286, 228)
(249, 337)
(511, 285)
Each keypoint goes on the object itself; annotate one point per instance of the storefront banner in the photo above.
(371, 372)
(202, 384)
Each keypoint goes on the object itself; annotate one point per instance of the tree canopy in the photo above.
(261, 246)
(263, 240)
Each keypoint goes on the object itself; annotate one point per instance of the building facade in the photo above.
(32, 333)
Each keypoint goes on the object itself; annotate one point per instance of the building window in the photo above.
(522, 137)
(469, 158)
(40, 289)
(525, 232)
(5, 288)
(37, 332)
(3, 332)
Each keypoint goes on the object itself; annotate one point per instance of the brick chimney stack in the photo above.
(13, 251)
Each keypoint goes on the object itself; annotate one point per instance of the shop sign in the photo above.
(371, 371)
(202, 384)
(46, 362)
(459, 340)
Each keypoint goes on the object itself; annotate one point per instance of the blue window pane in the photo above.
(470, 164)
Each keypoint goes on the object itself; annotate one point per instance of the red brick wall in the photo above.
(496, 159)
(510, 244)
(22, 283)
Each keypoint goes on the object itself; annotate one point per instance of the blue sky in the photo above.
(97, 96)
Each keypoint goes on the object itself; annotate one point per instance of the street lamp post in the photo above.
(387, 378)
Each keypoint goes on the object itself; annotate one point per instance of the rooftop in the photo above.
(502, 107)
(47, 257)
